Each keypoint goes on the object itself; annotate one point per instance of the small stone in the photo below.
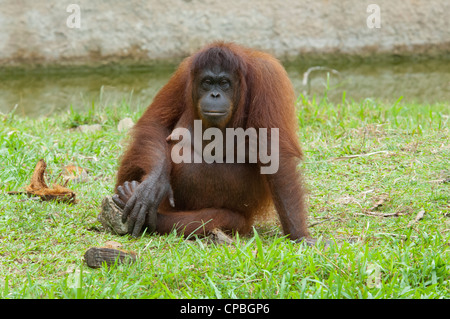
(111, 217)
(125, 124)
(219, 237)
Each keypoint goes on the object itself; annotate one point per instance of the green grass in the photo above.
(42, 243)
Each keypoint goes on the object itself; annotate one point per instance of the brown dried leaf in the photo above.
(418, 217)
(37, 179)
(38, 187)
(74, 173)
(380, 202)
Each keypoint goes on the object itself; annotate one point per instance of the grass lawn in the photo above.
(370, 168)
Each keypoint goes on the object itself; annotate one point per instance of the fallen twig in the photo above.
(442, 180)
(355, 156)
(320, 222)
(369, 213)
(418, 217)
(395, 235)
(378, 214)
(15, 193)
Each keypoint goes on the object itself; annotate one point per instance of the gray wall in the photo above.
(35, 31)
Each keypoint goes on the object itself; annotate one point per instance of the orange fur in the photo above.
(227, 196)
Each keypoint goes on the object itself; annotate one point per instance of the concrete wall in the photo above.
(35, 31)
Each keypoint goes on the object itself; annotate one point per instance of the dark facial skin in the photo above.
(215, 92)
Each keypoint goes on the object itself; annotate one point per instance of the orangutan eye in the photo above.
(224, 84)
(206, 83)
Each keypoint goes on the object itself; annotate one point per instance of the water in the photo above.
(45, 93)
(37, 94)
(424, 82)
